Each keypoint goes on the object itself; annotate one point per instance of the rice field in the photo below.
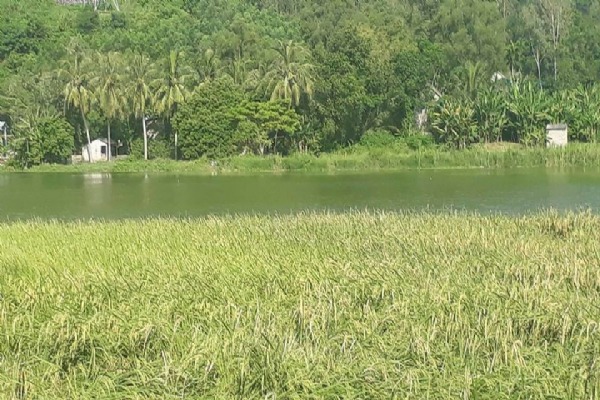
(361, 305)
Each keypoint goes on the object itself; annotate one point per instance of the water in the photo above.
(112, 196)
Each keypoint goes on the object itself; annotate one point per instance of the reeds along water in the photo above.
(574, 155)
(355, 305)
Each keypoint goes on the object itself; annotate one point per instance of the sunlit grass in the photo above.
(497, 156)
(360, 305)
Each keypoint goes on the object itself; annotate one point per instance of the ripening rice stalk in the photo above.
(357, 305)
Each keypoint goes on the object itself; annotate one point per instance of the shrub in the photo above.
(419, 141)
(156, 149)
(377, 139)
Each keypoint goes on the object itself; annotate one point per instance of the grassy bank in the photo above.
(364, 160)
(313, 306)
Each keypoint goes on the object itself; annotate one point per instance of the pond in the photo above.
(113, 196)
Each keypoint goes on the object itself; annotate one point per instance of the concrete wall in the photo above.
(96, 150)
(556, 136)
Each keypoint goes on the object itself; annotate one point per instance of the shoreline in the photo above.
(375, 160)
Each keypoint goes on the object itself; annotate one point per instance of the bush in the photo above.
(156, 149)
(419, 141)
(377, 139)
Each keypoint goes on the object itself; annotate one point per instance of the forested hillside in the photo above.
(222, 77)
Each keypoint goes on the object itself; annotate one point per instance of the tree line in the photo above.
(212, 78)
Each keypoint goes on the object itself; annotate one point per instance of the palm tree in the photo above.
(207, 66)
(171, 89)
(139, 75)
(290, 76)
(513, 55)
(236, 69)
(77, 92)
(257, 79)
(109, 90)
(472, 77)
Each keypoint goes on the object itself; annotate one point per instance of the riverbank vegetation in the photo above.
(354, 159)
(214, 79)
(358, 305)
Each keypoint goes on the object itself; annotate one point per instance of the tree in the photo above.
(43, 139)
(77, 91)
(207, 66)
(470, 78)
(93, 3)
(108, 87)
(471, 30)
(291, 76)
(171, 88)
(207, 121)
(515, 55)
(140, 76)
(260, 124)
(354, 93)
(537, 38)
(548, 22)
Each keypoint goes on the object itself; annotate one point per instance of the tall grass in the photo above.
(365, 160)
(360, 305)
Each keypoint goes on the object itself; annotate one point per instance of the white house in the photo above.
(99, 149)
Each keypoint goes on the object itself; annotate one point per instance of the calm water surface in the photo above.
(111, 196)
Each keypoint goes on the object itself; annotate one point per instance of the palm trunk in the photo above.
(108, 145)
(87, 133)
(176, 152)
(145, 138)
(538, 63)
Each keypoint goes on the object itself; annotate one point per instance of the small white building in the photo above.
(99, 149)
(557, 135)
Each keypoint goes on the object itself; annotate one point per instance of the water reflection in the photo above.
(101, 195)
(97, 190)
(96, 178)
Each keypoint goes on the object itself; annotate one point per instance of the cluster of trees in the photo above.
(193, 78)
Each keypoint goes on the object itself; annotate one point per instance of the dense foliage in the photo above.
(50, 140)
(306, 76)
(519, 114)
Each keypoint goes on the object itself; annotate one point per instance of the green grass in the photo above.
(360, 160)
(314, 306)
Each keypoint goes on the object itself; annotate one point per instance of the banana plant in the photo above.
(581, 111)
(453, 122)
(529, 111)
(491, 115)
